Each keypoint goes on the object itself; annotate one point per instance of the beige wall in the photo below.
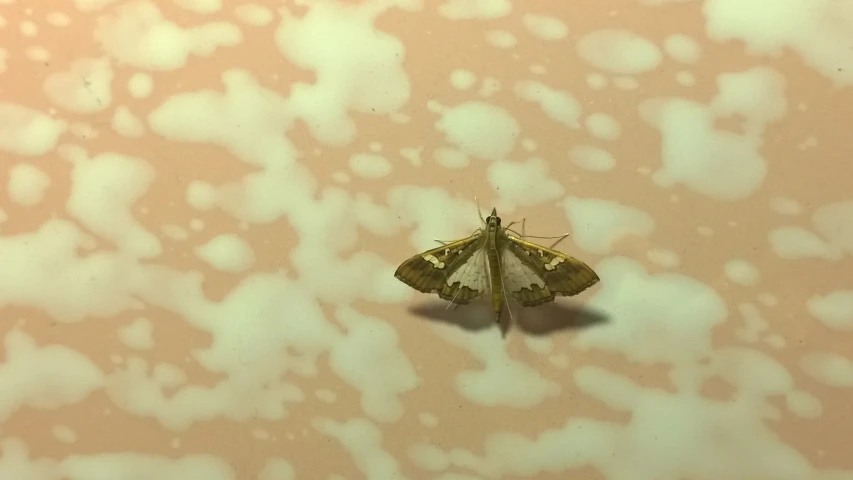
(202, 203)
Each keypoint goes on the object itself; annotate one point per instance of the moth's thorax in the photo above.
(493, 222)
(493, 226)
(493, 264)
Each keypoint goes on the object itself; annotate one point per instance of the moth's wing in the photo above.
(521, 280)
(534, 274)
(470, 279)
(455, 271)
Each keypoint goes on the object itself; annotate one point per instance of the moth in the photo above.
(496, 260)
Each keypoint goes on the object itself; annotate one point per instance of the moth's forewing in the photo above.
(534, 274)
(453, 271)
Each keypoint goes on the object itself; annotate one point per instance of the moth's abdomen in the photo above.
(495, 277)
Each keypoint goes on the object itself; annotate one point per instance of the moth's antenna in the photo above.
(559, 237)
(508, 308)
(458, 291)
(453, 300)
(479, 213)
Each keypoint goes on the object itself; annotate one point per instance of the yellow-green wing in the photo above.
(534, 274)
(455, 271)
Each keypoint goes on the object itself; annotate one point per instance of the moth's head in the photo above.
(493, 219)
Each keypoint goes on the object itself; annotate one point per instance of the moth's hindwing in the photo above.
(534, 274)
(455, 271)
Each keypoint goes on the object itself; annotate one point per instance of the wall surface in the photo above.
(203, 202)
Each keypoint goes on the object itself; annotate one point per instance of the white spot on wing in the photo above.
(436, 263)
(553, 263)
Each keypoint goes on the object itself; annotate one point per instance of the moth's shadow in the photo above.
(542, 320)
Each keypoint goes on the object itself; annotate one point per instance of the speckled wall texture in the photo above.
(203, 203)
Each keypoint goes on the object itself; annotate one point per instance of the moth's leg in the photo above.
(559, 238)
(558, 241)
(523, 221)
(445, 242)
(523, 233)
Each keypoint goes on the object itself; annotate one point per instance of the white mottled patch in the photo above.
(651, 329)
(663, 257)
(254, 15)
(486, 383)
(834, 310)
(618, 51)
(793, 243)
(682, 48)
(462, 79)
(600, 224)
(370, 165)
(742, 272)
(501, 39)
(785, 206)
(592, 158)
(428, 419)
(64, 434)
(832, 369)
(480, 129)
(451, 158)
(834, 221)
(710, 161)
(27, 184)
(25, 131)
(362, 440)
(524, 183)
(558, 105)
(277, 469)
(140, 85)
(227, 253)
(603, 126)
(86, 88)
(545, 27)
(817, 31)
(138, 334)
